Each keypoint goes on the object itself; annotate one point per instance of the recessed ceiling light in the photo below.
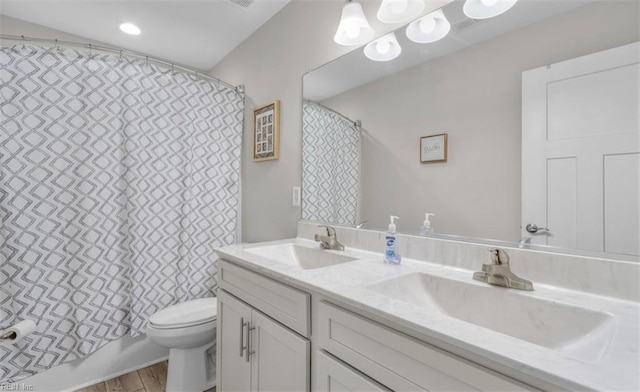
(130, 28)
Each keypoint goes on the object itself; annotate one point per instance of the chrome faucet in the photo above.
(525, 242)
(499, 273)
(361, 224)
(330, 241)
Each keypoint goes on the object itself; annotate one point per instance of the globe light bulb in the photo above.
(383, 49)
(383, 46)
(485, 9)
(352, 31)
(399, 6)
(427, 25)
(399, 11)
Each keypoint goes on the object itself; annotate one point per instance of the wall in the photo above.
(12, 26)
(270, 64)
(475, 96)
(114, 358)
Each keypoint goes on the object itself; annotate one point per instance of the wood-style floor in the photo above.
(149, 379)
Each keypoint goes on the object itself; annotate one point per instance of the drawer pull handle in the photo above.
(242, 342)
(249, 350)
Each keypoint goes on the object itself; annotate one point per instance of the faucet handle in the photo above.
(499, 256)
(331, 231)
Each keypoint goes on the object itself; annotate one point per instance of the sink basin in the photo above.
(578, 332)
(302, 256)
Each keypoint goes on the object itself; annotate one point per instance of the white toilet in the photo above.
(188, 330)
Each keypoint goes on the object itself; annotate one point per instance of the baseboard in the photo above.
(114, 359)
(120, 373)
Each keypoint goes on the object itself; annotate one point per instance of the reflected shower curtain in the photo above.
(117, 180)
(330, 166)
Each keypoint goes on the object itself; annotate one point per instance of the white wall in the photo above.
(475, 96)
(13, 26)
(270, 64)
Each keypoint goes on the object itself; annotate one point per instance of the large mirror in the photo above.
(540, 108)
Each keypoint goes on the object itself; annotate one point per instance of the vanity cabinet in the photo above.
(255, 352)
(397, 361)
(265, 337)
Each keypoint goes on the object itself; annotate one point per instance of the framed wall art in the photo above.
(433, 148)
(266, 132)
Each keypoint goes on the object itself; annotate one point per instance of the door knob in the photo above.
(533, 228)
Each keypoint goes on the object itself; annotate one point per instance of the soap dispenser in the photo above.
(391, 252)
(426, 228)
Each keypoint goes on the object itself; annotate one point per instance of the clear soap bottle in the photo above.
(426, 227)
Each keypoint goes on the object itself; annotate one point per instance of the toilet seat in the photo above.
(186, 314)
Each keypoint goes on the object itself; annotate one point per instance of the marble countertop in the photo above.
(614, 366)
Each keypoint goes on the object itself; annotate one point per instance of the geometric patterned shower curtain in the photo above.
(330, 166)
(117, 180)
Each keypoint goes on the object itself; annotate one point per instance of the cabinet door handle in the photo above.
(242, 342)
(249, 350)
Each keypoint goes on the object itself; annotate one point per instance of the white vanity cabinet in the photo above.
(254, 352)
(265, 339)
(395, 360)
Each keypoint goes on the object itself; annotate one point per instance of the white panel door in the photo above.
(280, 357)
(580, 146)
(255, 353)
(621, 195)
(234, 367)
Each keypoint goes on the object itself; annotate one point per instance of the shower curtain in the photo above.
(330, 166)
(117, 181)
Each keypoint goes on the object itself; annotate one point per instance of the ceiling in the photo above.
(194, 33)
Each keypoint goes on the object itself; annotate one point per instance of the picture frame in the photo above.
(266, 132)
(434, 148)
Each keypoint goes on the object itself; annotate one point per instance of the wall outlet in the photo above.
(295, 196)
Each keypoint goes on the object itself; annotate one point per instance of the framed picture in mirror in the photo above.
(433, 148)
(266, 132)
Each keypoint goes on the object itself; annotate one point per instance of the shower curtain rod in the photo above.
(121, 51)
(357, 123)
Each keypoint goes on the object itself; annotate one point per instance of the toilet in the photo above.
(188, 329)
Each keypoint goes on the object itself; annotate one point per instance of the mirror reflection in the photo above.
(540, 107)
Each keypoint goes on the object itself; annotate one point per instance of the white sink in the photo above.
(302, 256)
(578, 332)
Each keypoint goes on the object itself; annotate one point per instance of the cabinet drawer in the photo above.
(333, 375)
(400, 362)
(284, 303)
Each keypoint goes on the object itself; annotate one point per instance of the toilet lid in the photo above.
(190, 313)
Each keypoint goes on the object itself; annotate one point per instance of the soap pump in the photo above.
(426, 228)
(391, 253)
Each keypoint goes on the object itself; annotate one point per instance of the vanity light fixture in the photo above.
(430, 28)
(485, 9)
(384, 48)
(130, 28)
(399, 11)
(354, 29)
